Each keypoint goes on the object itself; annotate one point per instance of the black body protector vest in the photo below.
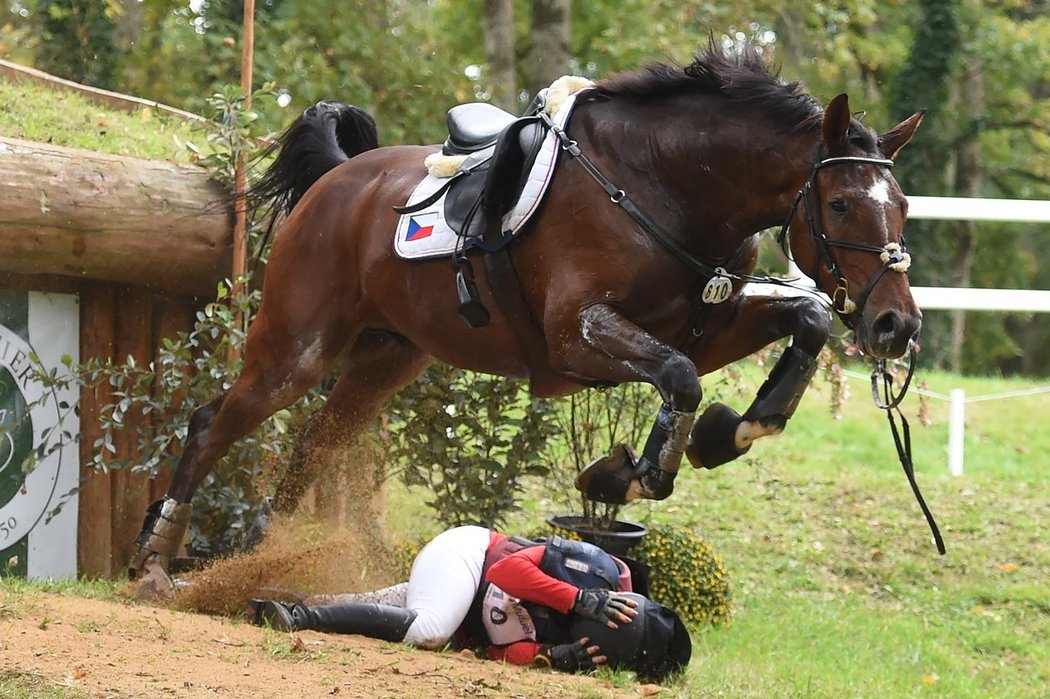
(497, 618)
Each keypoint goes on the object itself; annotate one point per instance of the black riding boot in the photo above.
(373, 620)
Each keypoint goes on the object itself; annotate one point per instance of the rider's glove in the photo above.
(568, 657)
(602, 606)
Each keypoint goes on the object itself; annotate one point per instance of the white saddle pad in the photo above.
(425, 234)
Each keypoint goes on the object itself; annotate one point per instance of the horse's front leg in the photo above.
(721, 434)
(609, 348)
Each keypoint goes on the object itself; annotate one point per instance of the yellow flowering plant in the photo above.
(686, 574)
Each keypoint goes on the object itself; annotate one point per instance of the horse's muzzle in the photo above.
(890, 334)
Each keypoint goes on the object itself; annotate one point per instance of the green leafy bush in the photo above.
(470, 439)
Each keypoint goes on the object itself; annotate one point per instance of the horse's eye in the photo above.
(839, 206)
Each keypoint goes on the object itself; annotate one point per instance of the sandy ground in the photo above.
(199, 645)
(111, 649)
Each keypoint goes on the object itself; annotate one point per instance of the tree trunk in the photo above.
(88, 215)
(969, 183)
(501, 76)
(549, 45)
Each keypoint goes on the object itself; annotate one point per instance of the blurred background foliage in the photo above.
(980, 69)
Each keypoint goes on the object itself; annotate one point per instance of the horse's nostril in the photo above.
(887, 324)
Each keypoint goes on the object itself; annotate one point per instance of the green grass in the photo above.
(838, 589)
(31, 112)
(25, 685)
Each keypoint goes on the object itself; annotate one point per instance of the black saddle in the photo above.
(500, 150)
(474, 126)
(477, 203)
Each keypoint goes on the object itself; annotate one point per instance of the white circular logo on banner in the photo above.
(22, 510)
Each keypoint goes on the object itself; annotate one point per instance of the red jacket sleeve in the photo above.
(520, 653)
(519, 575)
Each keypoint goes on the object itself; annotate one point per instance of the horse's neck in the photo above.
(736, 176)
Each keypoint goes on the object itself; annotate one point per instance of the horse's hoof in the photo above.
(712, 441)
(608, 478)
(154, 581)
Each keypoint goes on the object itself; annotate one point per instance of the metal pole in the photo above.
(956, 427)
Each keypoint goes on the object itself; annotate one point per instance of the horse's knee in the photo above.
(679, 383)
(814, 325)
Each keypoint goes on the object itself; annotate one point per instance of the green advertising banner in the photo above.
(38, 507)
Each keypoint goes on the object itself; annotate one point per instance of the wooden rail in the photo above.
(75, 213)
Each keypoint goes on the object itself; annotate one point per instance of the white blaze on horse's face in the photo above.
(880, 191)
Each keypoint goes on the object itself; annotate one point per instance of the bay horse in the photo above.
(632, 269)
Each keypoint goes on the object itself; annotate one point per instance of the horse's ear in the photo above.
(836, 121)
(896, 138)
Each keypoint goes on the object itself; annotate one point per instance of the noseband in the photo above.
(893, 255)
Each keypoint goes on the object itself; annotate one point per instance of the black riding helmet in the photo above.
(655, 643)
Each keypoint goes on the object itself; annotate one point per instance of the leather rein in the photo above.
(894, 257)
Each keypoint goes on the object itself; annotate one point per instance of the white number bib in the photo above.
(506, 621)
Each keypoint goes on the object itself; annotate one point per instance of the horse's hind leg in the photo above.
(277, 371)
(379, 364)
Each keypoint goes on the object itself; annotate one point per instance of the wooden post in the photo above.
(131, 491)
(240, 223)
(98, 303)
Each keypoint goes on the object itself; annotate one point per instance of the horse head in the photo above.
(847, 230)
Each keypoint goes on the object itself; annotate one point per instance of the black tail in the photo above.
(324, 136)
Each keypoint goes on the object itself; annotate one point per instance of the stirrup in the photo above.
(471, 309)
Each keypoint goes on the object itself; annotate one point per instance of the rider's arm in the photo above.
(520, 653)
(519, 575)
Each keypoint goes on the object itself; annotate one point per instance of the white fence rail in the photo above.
(968, 299)
(955, 298)
(963, 209)
(1008, 300)
(966, 209)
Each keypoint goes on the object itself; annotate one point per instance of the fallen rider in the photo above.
(562, 604)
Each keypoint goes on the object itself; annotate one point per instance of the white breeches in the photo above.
(445, 577)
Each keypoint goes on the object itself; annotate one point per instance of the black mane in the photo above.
(742, 77)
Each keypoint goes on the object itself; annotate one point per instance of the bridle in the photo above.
(894, 256)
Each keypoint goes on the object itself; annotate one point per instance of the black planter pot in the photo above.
(618, 541)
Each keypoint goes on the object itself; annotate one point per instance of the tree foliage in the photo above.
(407, 62)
